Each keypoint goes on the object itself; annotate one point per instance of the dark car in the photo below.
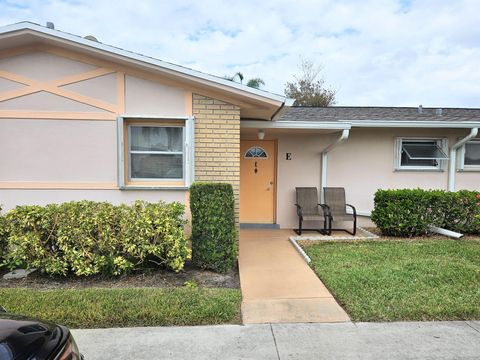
(25, 338)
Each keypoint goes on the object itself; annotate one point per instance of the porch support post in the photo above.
(453, 157)
(323, 180)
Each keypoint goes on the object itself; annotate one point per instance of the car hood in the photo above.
(23, 338)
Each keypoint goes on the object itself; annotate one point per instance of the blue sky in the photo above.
(392, 53)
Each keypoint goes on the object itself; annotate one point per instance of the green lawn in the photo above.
(402, 280)
(100, 308)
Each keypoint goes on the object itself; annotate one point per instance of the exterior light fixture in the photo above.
(261, 134)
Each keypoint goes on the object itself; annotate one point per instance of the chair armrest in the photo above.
(299, 210)
(353, 209)
(326, 209)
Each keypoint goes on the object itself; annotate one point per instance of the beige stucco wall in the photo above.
(43, 66)
(9, 198)
(363, 164)
(469, 180)
(8, 85)
(144, 97)
(302, 170)
(69, 151)
(102, 88)
(63, 153)
(44, 101)
(70, 157)
(58, 150)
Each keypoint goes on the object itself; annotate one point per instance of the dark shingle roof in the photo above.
(347, 113)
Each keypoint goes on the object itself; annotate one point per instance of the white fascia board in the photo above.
(412, 124)
(348, 124)
(142, 58)
(332, 125)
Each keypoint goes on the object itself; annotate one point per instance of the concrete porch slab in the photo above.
(362, 234)
(277, 285)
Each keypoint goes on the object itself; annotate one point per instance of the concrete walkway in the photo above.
(277, 285)
(425, 340)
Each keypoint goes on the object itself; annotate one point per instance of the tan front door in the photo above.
(257, 181)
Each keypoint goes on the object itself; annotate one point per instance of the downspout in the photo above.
(323, 182)
(453, 157)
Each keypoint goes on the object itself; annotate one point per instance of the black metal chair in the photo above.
(334, 198)
(308, 209)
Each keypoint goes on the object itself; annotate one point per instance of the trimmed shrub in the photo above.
(214, 237)
(3, 238)
(461, 211)
(88, 238)
(408, 212)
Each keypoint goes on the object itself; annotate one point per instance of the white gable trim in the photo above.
(161, 65)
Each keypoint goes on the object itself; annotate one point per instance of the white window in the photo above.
(420, 153)
(155, 152)
(256, 152)
(469, 157)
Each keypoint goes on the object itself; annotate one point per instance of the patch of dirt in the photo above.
(158, 278)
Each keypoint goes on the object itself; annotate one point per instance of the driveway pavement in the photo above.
(408, 340)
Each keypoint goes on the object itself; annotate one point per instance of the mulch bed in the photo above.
(157, 278)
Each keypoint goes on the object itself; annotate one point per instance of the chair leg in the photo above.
(324, 230)
(354, 228)
(299, 230)
(329, 228)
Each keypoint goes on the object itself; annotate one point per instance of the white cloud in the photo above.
(400, 53)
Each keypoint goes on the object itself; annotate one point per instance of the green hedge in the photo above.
(214, 237)
(87, 238)
(408, 212)
(3, 238)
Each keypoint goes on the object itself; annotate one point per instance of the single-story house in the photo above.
(83, 120)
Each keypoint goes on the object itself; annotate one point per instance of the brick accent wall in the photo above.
(217, 143)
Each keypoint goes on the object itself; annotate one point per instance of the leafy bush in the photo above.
(401, 212)
(408, 212)
(461, 212)
(214, 237)
(87, 238)
(3, 237)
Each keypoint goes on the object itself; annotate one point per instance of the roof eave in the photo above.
(299, 125)
(214, 81)
(412, 124)
(347, 124)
